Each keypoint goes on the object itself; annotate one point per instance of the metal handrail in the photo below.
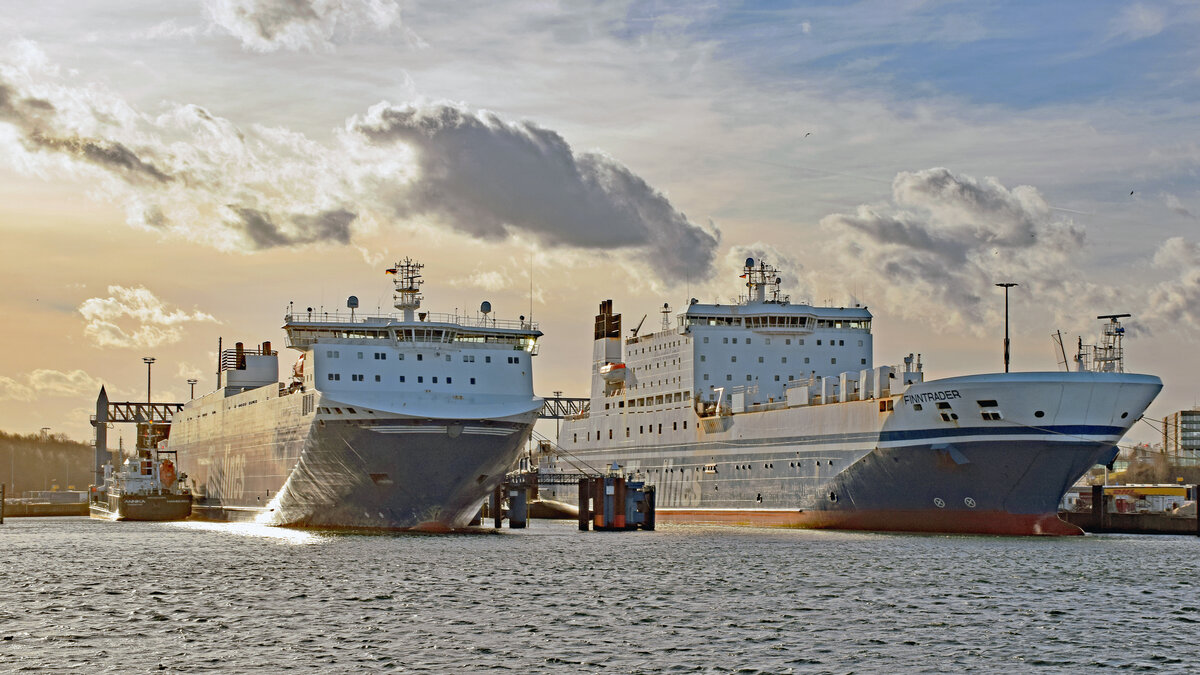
(464, 320)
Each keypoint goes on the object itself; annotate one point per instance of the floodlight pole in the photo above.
(1006, 286)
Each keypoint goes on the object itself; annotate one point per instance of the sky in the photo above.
(175, 173)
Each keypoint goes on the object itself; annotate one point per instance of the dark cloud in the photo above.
(262, 232)
(35, 118)
(107, 154)
(189, 172)
(488, 178)
(937, 249)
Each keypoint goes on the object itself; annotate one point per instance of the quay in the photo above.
(612, 502)
(1100, 519)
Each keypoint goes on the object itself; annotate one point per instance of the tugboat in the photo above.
(145, 488)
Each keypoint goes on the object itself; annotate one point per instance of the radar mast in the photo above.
(407, 297)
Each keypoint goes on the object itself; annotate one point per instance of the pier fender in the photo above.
(948, 450)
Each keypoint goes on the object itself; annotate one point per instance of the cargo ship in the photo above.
(765, 412)
(395, 422)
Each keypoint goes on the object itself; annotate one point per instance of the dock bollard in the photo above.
(585, 515)
(517, 513)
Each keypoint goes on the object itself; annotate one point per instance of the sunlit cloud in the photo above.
(295, 25)
(196, 175)
(47, 383)
(153, 323)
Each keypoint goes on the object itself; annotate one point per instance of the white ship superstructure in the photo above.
(769, 412)
(396, 421)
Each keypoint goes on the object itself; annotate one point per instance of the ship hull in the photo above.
(888, 465)
(283, 466)
(159, 507)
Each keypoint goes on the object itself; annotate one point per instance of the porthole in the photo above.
(1038, 413)
(1124, 415)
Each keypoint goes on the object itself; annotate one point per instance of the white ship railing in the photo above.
(464, 320)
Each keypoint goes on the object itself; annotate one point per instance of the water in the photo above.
(77, 594)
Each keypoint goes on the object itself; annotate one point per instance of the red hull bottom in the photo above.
(951, 522)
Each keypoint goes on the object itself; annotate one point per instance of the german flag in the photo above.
(390, 270)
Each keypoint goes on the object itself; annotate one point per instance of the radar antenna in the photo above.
(1109, 355)
(762, 281)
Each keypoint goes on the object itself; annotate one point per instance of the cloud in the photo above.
(310, 25)
(190, 173)
(1177, 206)
(936, 251)
(1137, 21)
(155, 323)
(488, 178)
(789, 271)
(1176, 302)
(490, 280)
(47, 383)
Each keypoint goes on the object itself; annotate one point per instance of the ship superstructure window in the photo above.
(333, 354)
(420, 379)
(435, 379)
(335, 376)
(487, 359)
(468, 358)
(448, 380)
(400, 356)
(357, 377)
(401, 378)
(447, 358)
(360, 355)
(377, 378)
(420, 357)
(472, 380)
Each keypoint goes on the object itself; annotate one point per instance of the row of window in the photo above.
(358, 377)
(661, 399)
(788, 341)
(643, 429)
(382, 356)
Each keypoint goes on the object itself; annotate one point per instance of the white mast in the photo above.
(407, 297)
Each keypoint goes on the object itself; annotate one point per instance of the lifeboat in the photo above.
(613, 372)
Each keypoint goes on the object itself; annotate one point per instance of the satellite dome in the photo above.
(749, 262)
(352, 302)
(485, 307)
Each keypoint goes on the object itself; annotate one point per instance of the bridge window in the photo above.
(472, 380)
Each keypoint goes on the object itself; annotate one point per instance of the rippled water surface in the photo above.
(77, 594)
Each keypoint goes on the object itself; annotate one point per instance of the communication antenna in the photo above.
(407, 297)
(1057, 337)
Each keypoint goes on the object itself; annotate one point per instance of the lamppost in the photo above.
(193, 381)
(149, 361)
(1006, 286)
